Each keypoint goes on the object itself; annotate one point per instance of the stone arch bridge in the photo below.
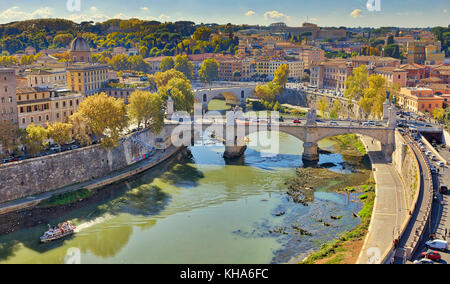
(234, 135)
(232, 94)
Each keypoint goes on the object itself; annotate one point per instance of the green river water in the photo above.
(197, 208)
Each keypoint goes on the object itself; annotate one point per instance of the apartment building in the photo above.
(230, 70)
(433, 55)
(40, 106)
(86, 79)
(331, 74)
(419, 100)
(419, 50)
(311, 56)
(64, 103)
(33, 105)
(393, 75)
(46, 78)
(374, 61)
(8, 102)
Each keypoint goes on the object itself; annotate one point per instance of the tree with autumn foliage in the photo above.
(59, 132)
(146, 108)
(105, 117)
(37, 139)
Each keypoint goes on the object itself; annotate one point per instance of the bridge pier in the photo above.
(388, 151)
(310, 152)
(232, 152)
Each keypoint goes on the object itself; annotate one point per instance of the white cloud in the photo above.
(403, 14)
(161, 18)
(86, 18)
(274, 15)
(357, 13)
(121, 16)
(314, 20)
(93, 9)
(144, 8)
(445, 11)
(250, 13)
(16, 14)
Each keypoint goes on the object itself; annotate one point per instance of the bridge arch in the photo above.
(238, 94)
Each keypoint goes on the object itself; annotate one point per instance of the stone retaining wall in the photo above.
(406, 164)
(39, 175)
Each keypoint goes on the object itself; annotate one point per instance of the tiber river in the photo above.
(197, 208)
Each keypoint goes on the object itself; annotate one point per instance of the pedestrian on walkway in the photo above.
(446, 233)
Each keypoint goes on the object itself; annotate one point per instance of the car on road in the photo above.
(296, 121)
(73, 147)
(333, 123)
(440, 164)
(443, 189)
(432, 255)
(424, 261)
(437, 245)
(433, 170)
(55, 148)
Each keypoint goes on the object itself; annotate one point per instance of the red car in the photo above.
(432, 255)
(297, 121)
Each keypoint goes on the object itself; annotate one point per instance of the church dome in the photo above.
(79, 44)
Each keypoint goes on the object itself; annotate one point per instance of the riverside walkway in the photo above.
(390, 208)
(116, 176)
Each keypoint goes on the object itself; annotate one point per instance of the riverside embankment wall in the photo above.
(406, 164)
(39, 175)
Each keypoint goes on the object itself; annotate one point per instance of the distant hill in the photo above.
(158, 38)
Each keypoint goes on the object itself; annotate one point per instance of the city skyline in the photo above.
(349, 13)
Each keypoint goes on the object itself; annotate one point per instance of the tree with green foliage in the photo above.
(143, 51)
(209, 71)
(119, 62)
(181, 91)
(185, 66)
(167, 63)
(202, 34)
(392, 50)
(163, 78)
(137, 63)
(62, 40)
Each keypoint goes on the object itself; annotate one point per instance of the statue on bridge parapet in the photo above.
(311, 118)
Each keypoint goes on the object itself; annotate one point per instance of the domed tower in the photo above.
(79, 50)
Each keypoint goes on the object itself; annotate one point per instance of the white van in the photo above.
(437, 244)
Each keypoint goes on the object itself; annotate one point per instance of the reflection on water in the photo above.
(198, 208)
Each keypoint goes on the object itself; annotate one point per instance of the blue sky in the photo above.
(354, 13)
